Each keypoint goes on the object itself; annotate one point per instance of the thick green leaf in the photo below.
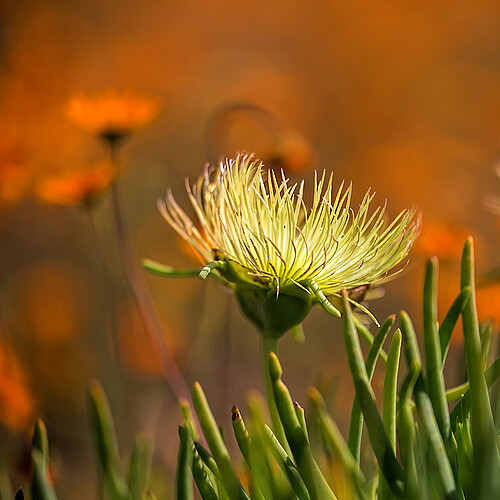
(449, 322)
(406, 431)
(139, 467)
(184, 485)
(434, 378)
(440, 464)
(40, 440)
(297, 439)
(379, 440)
(106, 448)
(486, 460)
(41, 489)
(202, 478)
(389, 402)
(287, 465)
(216, 444)
(356, 420)
(334, 440)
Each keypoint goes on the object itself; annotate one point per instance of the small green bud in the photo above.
(273, 314)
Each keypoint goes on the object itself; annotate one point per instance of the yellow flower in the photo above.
(79, 187)
(250, 218)
(256, 233)
(112, 116)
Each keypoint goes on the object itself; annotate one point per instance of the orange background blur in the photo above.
(401, 97)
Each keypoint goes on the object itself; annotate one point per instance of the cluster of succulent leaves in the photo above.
(114, 484)
(422, 449)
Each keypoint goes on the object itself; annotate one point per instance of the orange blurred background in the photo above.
(400, 97)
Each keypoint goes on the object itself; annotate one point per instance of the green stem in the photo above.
(140, 292)
(270, 344)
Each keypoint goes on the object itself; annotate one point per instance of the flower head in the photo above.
(112, 115)
(256, 231)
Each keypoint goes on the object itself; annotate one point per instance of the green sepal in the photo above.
(271, 312)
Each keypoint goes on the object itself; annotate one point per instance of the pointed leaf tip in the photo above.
(94, 389)
(182, 432)
(433, 260)
(40, 440)
(467, 264)
(315, 396)
(468, 248)
(235, 414)
(275, 369)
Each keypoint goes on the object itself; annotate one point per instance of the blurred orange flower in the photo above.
(112, 115)
(488, 302)
(14, 178)
(16, 402)
(292, 154)
(80, 187)
(443, 240)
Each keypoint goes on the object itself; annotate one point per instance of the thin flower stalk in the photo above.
(141, 294)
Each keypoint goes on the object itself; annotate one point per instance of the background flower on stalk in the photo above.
(286, 149)
(257, 235)
(112, 115)
(76, 187)
(292, 153)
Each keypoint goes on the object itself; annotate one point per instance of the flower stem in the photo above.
(269, 344)
(140, 291)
